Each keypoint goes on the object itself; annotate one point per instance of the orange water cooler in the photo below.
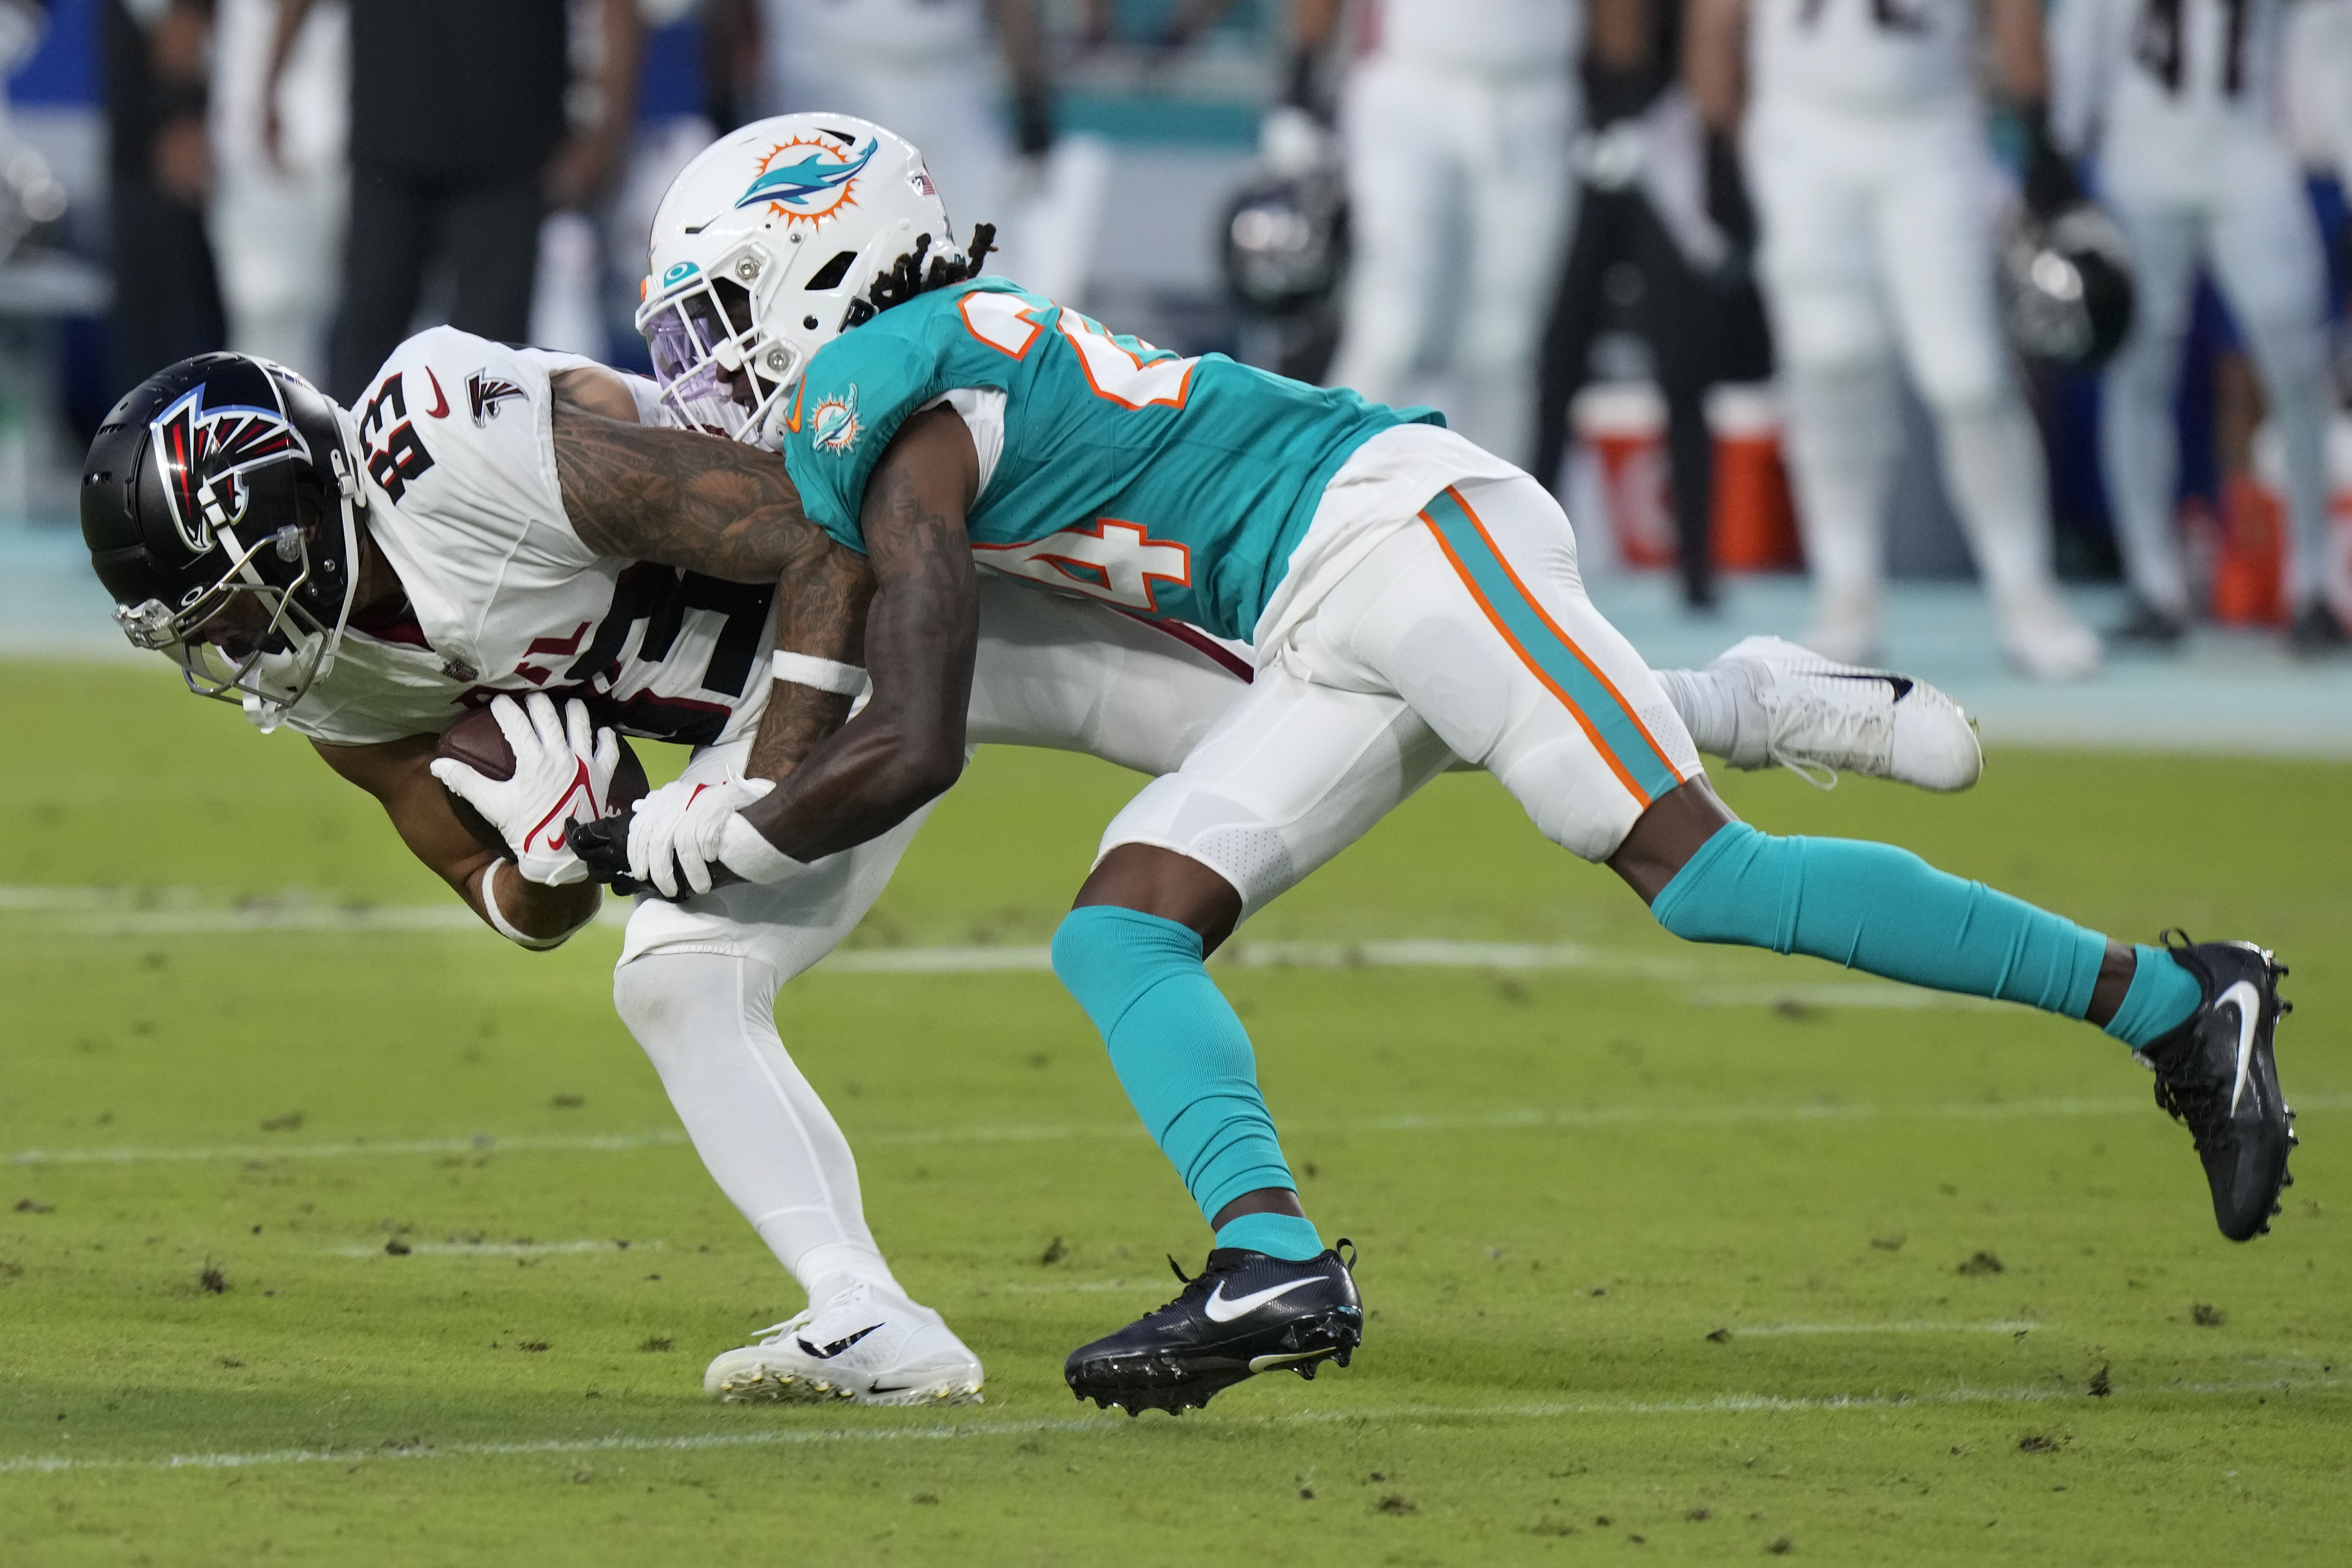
(1755, 521)
(2250, 550)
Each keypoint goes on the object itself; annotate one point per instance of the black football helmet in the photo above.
(2066, 288)
(225, 479)
(1283, 241)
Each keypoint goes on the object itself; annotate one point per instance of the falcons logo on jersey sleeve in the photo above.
(202, 453)
(485, 392)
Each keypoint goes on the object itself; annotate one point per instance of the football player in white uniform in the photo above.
(1457, 117)
(1865, 146)
(494, 524)
(2180, 102)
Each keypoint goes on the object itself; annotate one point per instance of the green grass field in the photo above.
(1675, 1254)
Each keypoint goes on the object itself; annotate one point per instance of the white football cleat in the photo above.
(1816, 717)
(865, 1344)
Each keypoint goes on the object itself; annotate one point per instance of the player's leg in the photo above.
(2138, 448)
(1575, 317)
(1291, 774)
(1477, 618)
(1522, 204)
(384, 269)
(1399, 181)
(1937, 254)
(2264, 244)
(490, 231)
(1820, 285)
(696, 985)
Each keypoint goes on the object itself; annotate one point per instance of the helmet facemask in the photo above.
(777, 239)
(267, 628)
(719, 369)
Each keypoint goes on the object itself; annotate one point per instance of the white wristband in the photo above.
(745, 851)
(505, 928)
(825, 674)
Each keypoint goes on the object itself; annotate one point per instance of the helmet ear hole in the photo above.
(829, 275)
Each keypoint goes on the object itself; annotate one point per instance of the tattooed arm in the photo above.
(922, 630)
(725, 510)
(906, 612)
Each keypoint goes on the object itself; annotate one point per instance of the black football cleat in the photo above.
(1242, 1314)
(2215, 1072)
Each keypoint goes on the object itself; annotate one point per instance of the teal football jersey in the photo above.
(1170, 486)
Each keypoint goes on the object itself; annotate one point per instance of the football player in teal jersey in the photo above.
(1409, 598)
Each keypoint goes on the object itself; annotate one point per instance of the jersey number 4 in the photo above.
(1107, 559)
(1110, 560)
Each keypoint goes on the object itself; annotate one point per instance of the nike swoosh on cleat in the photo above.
(2249, 1002)
(1901, 683)
(1223, 1308)
(837, 1346)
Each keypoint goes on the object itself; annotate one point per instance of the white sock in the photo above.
(1708, 702)
(707, 1022)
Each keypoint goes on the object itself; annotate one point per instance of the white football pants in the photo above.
(278, 233)
(697, 979)
(1876, 245)
(1459, 207)
(2251, 224)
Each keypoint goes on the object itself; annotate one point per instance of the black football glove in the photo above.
(603, 847)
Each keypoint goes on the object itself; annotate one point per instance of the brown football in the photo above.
(478, 743)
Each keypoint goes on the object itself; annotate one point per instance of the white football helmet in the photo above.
(777, 239)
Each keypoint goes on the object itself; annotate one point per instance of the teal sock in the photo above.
(1184, 1060)
(1884, 910)
(1275, 1234)
(2162, 995)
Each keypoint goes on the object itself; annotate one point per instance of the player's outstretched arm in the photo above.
(906, 746)
(395, 773)
(727, 511)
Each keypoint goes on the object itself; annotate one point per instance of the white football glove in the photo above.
(564, 770)
(674, 835)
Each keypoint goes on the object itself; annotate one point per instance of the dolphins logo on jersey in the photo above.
(803, 192)
(832, 423)
(201, 454)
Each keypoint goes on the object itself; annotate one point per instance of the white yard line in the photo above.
(1512, 1118)
(1998, 1326)
(621, 1443)
(491, 1248)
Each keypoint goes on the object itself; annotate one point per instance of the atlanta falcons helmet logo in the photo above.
(202, 455)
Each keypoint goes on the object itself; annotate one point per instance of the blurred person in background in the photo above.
(1654, 236)
(167, 302)
(276, 223)
(930, 70)
(2180, 102)
(460, 142)
(1456, 116)
(1865, 144)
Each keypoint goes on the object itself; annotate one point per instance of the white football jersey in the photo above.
(463, 501)
(1509, 37)
(2159, 79)
(1871, 56)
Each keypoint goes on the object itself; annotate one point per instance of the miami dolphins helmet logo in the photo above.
(823, 180)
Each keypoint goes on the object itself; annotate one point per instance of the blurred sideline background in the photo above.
(1112, 158)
